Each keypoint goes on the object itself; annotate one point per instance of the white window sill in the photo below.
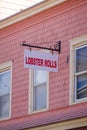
(5, 118)
(77, 101)
(38, 111)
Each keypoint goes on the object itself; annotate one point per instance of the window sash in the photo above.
(79, 92)
(5, 87)
(5, 82)
(80, 60)
(40, 96)
(4, 105)
(37, 78)
(39, 87)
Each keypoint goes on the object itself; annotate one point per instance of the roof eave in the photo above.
(29, 12)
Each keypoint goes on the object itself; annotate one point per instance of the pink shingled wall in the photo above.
(62, 22)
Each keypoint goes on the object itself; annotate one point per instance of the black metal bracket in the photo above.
(57, 46)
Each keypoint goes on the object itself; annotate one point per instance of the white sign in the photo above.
(41, 60)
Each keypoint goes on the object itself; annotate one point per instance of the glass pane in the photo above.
(4, 106)
(40, 97)
(40, 77)
(82, 86)
(81, 59)
(4, 82)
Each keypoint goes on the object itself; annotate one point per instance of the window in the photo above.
(78, 70)
(39, 90)
(5, 87)
(81, 72)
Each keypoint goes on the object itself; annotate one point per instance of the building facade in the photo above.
(36, 99)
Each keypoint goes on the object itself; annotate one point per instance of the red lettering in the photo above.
(34, 61)
(40, 62)
(55, 64)
(51, 64)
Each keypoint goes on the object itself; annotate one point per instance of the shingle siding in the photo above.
(62, 22)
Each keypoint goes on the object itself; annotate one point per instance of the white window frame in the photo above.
(30, 106)
(75, 44)
(5, 67)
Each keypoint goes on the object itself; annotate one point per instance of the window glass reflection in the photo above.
(82, 86)
(40, 97)
(81, 59)
(4, 102)
(4, 82)
(82, 81)
(40, 77)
